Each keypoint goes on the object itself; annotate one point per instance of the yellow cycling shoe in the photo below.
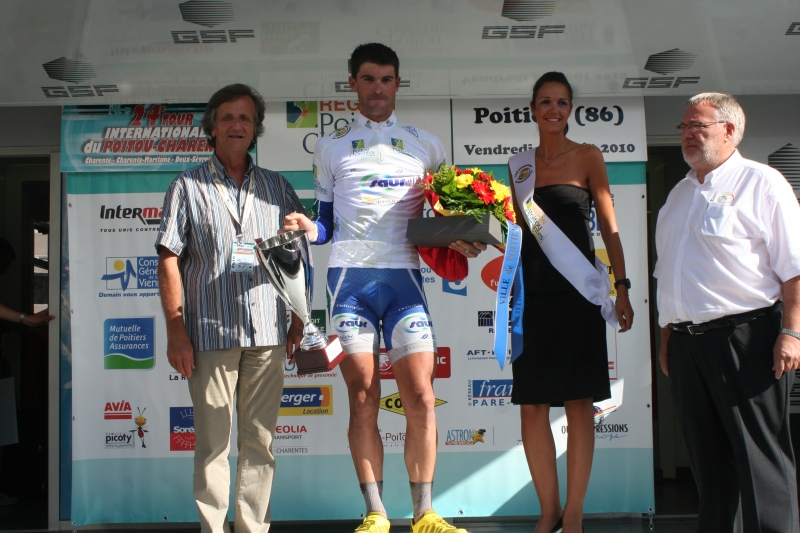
(374, 523)
(431, 522)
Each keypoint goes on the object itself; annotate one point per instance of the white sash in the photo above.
(591, 281)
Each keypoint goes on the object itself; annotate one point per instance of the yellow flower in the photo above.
(463, 180)
(501, 192)
(475, 170)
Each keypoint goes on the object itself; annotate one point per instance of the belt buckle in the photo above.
(689, 329)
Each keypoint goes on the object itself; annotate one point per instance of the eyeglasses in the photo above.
(694, 127)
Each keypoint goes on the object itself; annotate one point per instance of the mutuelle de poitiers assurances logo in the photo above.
(129, 343)
(131, 275)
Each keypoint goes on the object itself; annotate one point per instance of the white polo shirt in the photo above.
(370, 171)
(726, 246)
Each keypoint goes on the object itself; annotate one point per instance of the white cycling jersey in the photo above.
(369, 170)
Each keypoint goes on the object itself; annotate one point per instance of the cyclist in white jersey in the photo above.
(365, 177)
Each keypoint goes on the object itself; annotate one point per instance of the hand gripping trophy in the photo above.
(287, 259)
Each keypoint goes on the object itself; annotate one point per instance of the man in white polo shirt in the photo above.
(728, 290)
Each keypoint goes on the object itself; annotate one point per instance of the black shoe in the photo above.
(559, 526)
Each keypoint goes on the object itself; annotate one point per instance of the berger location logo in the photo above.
(304, 400)
(129, 344)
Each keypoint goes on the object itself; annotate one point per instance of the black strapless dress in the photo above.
(564, 355)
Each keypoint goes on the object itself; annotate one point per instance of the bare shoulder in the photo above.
(589, 154)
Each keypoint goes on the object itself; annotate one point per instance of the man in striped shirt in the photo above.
(231, 334)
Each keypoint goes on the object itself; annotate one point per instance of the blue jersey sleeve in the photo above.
(324, 221)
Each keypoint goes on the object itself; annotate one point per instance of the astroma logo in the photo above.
(301, 115)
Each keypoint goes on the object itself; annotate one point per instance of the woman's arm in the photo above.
(607, 220)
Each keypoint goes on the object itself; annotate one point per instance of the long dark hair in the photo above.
(549, 77)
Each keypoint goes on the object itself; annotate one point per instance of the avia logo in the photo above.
(121, 270)
(209, 13)
(468, 437)
(129, 343)
(118, 411)
(417, 323)
(301, 115)
(667, 62)
(307, 401)
(181, 429)
(489, 392)
(73, 71)
(348, 323)
(786, 160)
(147, 215)
(393, 404)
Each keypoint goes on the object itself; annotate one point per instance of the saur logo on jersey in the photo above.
(382, 189)
(412, 130)
(417, 322)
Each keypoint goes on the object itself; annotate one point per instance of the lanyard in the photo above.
(226, 197)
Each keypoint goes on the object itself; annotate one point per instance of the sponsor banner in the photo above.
(489, 392)
(181, 429)
(442, 363)
(293, 128)
(301, 400)
(133, 138)
(129, 343)
(489, 131)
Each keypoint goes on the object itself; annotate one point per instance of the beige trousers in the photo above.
(255, 375)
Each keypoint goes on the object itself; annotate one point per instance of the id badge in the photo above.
(243, 257)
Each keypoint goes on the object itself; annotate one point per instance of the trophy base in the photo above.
(322, 360)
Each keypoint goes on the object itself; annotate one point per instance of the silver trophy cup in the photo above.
(286, 258)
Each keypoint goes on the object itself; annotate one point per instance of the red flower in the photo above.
(428, 179)
(484, 176)
(484, 192)
(511, 216)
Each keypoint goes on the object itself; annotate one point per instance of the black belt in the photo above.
(726, 321)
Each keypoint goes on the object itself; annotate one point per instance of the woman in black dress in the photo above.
(564, 361)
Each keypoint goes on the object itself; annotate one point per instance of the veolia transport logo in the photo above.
(129, 343)
(302, 114)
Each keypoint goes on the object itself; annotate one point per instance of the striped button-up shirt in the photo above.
(224, 309)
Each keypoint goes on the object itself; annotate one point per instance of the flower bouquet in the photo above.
(483, 203)
(469, 205)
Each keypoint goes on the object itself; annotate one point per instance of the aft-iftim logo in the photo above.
(181, 429)
(392, 403)
(489, 392)
(442, 364)
(149, 216)
(129, 343)
(302, 114)
(307, 401)
(131, 273)
(120, 410)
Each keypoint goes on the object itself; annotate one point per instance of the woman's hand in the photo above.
(624, 309)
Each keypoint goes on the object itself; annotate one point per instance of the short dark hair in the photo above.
(230, 93)
(6, 250)
(377, 53)
(548, 77)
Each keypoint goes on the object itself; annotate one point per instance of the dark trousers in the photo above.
(735, 420)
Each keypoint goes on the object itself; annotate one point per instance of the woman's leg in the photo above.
(540, 451)
(580, 450)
